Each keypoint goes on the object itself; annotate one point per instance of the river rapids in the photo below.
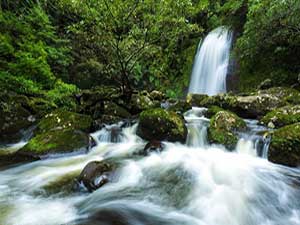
(191, 184)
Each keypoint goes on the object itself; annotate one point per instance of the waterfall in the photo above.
(211, 63)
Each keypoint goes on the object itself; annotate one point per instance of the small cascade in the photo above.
(252, 142)
(211, 63)
(109, 134)
(197, 127)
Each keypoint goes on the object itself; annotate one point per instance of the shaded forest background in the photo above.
(53, 48)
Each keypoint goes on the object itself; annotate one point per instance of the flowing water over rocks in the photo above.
(193, 184)
(211, 63)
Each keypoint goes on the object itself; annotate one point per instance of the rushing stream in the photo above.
(192, 184)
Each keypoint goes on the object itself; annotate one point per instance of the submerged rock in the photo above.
(152, 146)
(56, 142)
(97, 173)
(162, 125)
(283, 116)
(284, 147)
(223, 128)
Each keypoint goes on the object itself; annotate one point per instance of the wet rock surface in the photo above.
(97, 173)
(57, 142)
(159, 124)
(284, 147)
(223, 128)
(282, 116)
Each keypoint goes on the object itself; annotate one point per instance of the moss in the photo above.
(283, 116)
(100, 93)
(213, 110)
(55, 141)
(111, 108)
(284, 147)
(41, 106)
(140, 102)
(223, 127)
(64, 120)
(160, 124)
(180, 106)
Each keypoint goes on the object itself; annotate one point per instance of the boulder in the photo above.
(56, 142)
(141, 101)
(97, 173)
(152, 146)
(113, 109)
(157, 95)
(62, 120)
(223, 127)
(179, 105)
(213, 110)
(284, 147)
(162, 125)
(281, 117)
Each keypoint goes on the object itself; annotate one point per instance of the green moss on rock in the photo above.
(56, 141)
(160, 124)
(255, 104)
(284, 147)
(223, 127)
(213, 110)
(61, 119)
(283, 116)
(178, 105)
(141, 101)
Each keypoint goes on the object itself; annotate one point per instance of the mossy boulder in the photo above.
(196, 99)
(157, 95)
(55, 142)
(179, 105)
(213, 110)
(252, 105)
(284, 147)
(113, 109)
(141, 101)
(223, 127)
(61, 120)
(162, 125)
(283, 116)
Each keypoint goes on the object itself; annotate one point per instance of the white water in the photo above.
(211, 63)
(194, 184)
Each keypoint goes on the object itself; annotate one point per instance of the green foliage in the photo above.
(122, 42)
(62, 94)
(30, 51)
(270, 44)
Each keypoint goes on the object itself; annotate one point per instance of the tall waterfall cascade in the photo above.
(211, 63)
